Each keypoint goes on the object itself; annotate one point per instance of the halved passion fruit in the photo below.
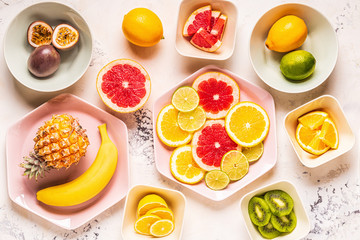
(65, 36)
(39, 33)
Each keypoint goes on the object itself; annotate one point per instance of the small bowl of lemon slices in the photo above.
(153, 212)
(291, 32)
(319, 131)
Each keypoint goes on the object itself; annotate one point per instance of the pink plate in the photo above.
(19, 143)
(248, 92)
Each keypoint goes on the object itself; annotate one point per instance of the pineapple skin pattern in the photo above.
(59, 143)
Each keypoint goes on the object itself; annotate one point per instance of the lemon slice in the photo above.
(309, 140)
(217, 179)
(329, 134)
(235, 165)
(168, 129)
(161, 212)
(143, 224)
(247, 124)
(192, 121)
(149, 202)
(183, 167)
(185, 99)
(253, 153)
(313, 120)
(162, 228)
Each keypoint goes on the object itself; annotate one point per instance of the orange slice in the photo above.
(168, 129)
(309, 140)
(162, 228)
(329, 134)
(143, 224)
(183, 167)
(247, 124)
(313, 120)
(149, 202)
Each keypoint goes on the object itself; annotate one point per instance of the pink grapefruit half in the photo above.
(201, 17)
(123, 85)
(210, 143)
(218, 93)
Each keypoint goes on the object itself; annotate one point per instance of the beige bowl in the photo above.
(176, 202)
(303, 224)
(330, 105)
(185, 48)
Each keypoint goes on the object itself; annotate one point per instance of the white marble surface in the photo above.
(331, 193)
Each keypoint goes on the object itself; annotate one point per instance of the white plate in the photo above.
(17, 50)
(321, 42)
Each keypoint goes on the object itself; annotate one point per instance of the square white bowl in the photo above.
(331, 105)
(303, 224)
(176, 202)
(183, 45)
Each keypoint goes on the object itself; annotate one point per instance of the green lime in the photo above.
(253, 153)
(216, 179)
(297, 65)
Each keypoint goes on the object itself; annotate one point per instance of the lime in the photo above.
(217, 179)
(185, 99)
(235, 164)
(192, 121)
(253, 153)
(297, 65)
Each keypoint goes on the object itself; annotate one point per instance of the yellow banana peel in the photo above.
(90, 183)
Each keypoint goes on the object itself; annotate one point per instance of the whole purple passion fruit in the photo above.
(44, 61)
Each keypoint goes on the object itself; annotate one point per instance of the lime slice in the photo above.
(217, 179)
(185, 99)
(192, 121)
(235, 164)
(253, 153)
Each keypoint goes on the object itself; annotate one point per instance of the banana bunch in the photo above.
(90, 183)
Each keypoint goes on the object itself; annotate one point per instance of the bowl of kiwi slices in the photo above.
(275, 211)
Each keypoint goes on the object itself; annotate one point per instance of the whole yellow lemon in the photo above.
(286, 34)
(142, 27)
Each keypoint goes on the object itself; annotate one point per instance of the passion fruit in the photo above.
(39, 33)
(65, 36)
(44, 61)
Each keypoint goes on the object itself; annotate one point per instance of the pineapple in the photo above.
(59, 143)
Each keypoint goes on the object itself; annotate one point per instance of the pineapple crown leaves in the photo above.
(34, 166)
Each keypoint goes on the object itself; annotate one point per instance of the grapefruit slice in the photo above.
(214, 17)
(219, 26)
(203, 40)
(218, 93)
(210, 144)
(123, 85)
(199, 18)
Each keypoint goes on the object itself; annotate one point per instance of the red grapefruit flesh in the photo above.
(210, 143)
(218, 93)
(203, 40)
(219, 27)
(199, 18)
(123, 85)
(214, 17)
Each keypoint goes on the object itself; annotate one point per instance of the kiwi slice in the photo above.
(259, 211)
(285, 223)
(268, 231)
(280, 203)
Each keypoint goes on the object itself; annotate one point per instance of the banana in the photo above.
(90, 183)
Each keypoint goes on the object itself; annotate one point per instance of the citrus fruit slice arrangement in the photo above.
(123, 85)
(226, 135)
(154, 217)
(205, 28)
(316, 133)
